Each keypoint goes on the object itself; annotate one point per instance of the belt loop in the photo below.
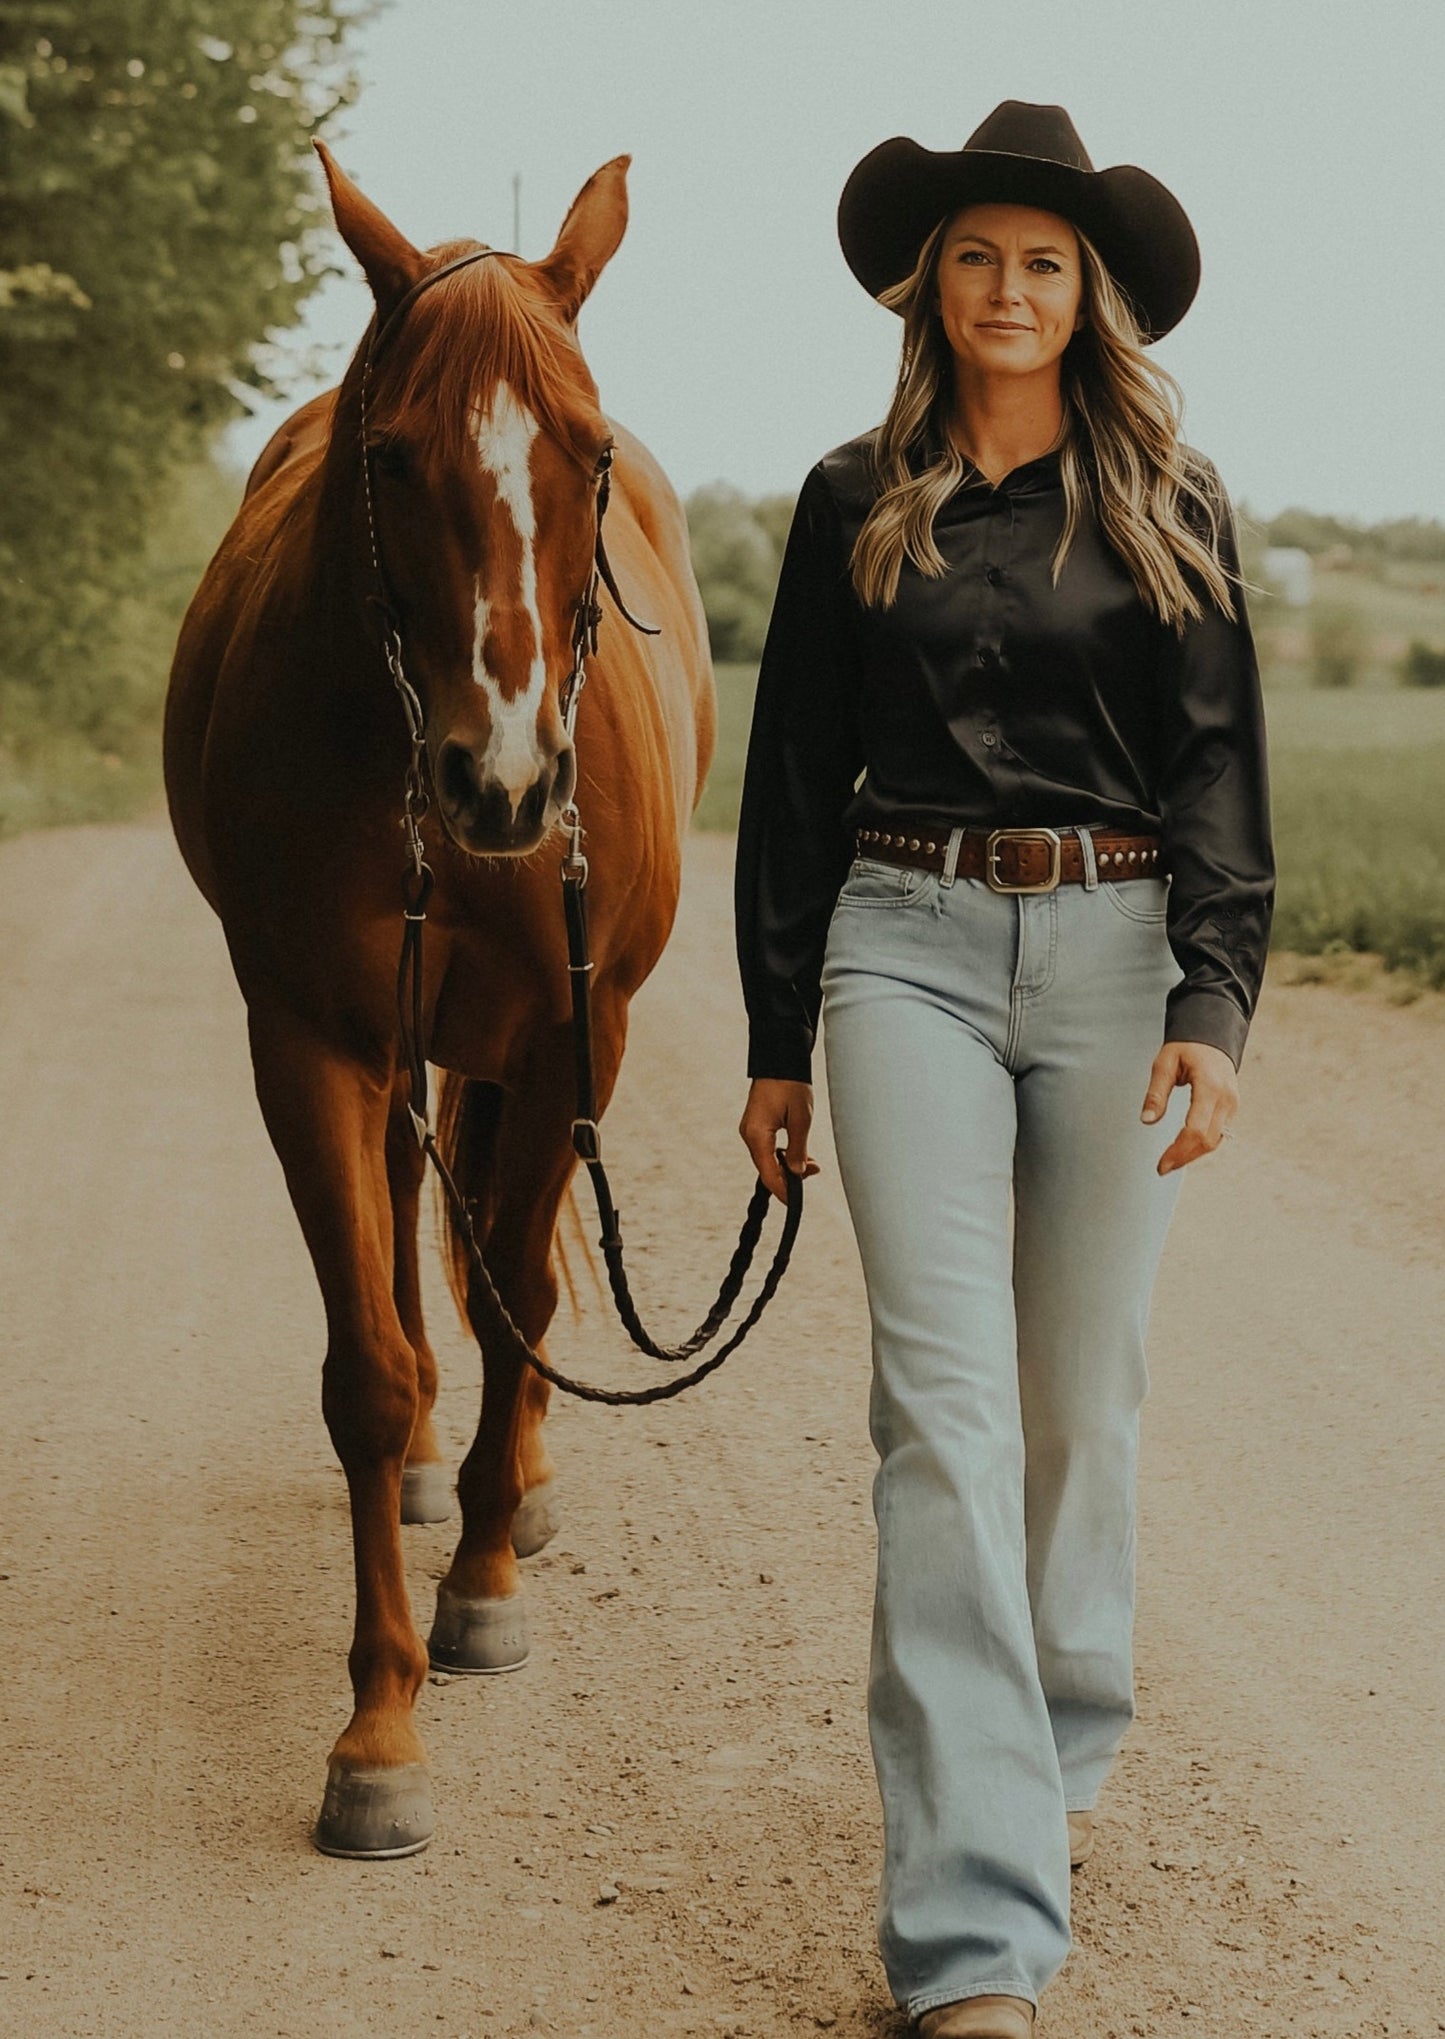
(1091, 868)
(950, 861)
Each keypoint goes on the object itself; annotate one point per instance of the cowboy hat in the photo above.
(1026, 155)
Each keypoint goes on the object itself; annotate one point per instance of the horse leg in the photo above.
(327, 1119)
(426, 1492)
(480, 1620)
(537, 1519)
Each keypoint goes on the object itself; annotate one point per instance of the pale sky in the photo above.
(1306, 143)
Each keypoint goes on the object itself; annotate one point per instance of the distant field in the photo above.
(1358, 796)
(1383, 611)
(719, 805)
(1360, 834)
(1354, 718)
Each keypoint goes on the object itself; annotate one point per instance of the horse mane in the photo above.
(480, 326)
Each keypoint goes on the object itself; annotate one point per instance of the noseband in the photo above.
(487, 1312)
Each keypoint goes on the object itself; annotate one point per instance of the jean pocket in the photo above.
(1144, 899)
(872, 882)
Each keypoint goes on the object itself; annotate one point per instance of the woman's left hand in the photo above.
(1213, 1098)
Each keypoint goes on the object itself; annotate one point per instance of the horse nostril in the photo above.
(564, 784)
(533, 805)
(457, 778)
(482, 811)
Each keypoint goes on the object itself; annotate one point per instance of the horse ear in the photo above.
(391, 263)
(591, 233)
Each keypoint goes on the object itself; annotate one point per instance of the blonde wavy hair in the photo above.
(1121, 452)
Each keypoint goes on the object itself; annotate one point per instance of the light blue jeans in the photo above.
(987, 1057)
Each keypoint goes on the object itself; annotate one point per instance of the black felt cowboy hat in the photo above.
(1025, 155)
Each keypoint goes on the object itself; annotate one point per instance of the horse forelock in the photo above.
(481, 369)
(481, 326)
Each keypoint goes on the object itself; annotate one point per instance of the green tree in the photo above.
(737, 550)
(1420, 540)
(1337, 645)
(159, 217)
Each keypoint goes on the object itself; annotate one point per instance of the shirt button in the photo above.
(988, 655)
(989, 738)
(994, 576)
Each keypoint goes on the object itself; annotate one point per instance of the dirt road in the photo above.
(690, 1731)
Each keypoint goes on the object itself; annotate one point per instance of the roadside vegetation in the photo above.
(162, 224)
(159, 221)
(1354, 681)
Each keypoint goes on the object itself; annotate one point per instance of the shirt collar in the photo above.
(1032, 475)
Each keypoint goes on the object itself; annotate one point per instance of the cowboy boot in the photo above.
(1081, 1838)
(979, 2018)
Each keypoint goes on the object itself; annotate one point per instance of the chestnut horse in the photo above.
(286, 753)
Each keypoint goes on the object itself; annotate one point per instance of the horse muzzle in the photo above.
(487, 817)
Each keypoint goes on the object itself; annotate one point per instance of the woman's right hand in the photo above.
(775, 1106)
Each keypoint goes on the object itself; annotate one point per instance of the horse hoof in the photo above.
(536, 1521)
(478, 1635)
(426, 1493)
(375, 1815)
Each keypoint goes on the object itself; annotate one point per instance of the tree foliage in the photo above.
(737, 551)
(159, 217)
(1418, 540)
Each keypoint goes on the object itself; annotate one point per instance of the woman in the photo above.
(1005, 821)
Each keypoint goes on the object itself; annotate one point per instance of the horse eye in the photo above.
(391, 458)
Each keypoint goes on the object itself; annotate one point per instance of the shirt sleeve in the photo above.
(804, 757)
(1214, 808)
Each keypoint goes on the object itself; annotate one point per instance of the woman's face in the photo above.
(1010, 287)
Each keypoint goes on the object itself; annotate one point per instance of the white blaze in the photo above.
(504, 436)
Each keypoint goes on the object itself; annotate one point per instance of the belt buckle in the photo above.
(1056, 857)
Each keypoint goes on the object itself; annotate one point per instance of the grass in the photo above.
(718, 808)
(1360, 844)
(1354, 718)
(59, 780)
(1381, 611)
(51, 776)
(1358, 798)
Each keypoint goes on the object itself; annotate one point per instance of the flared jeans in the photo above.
(987, 1057)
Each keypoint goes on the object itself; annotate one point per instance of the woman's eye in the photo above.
(967, 255)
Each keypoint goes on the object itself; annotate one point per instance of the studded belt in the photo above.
(1018, 859)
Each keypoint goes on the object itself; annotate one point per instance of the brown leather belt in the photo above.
(1019, 859)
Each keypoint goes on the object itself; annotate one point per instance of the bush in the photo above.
(1337, 647)
(737, 550)
(1422, 665)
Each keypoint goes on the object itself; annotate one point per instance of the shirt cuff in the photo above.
(1209, 1016)
(781, 1052)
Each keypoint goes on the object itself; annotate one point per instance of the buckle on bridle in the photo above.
(1050, 836)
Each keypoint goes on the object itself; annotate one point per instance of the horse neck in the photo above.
(341, 587)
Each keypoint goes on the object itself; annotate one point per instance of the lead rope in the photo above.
(483, 1299)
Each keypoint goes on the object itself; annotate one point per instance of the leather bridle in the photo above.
(586, 617)
(488, 1314)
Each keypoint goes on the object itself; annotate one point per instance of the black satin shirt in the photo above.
(990, 697)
